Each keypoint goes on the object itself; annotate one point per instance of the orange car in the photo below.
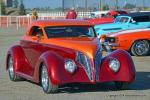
(57, 52)
(136, 41)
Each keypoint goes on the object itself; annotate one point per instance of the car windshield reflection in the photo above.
(69, 31)
(121, 20)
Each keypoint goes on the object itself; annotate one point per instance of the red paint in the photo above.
(101, 20)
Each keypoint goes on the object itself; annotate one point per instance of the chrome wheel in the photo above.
(44, 78)
(47, 85)
(141, 48)
(11, 68)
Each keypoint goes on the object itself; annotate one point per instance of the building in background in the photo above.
(8, 3)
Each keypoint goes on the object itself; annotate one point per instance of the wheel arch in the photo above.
(135, 42)
(16, 52)
(46, 58)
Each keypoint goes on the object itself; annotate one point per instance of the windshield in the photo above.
(122, 20)
(70, 31)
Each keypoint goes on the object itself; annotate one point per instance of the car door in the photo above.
(32, 48)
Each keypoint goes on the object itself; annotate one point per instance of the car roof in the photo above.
(61, 22)
(137, 14)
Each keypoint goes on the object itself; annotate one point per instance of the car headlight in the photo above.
(110, 39)
(114, 65)
(70, 65)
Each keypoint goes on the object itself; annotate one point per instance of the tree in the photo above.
(3, 8)
(129, 6)
(15, 3)
(105, 7)
(22, 10)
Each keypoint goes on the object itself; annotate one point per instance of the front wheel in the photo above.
(47, 85)
(140, 48)
(11, 72)
(122, 85)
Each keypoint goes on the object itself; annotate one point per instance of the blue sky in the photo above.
(68, 3)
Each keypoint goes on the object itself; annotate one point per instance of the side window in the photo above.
(36, 31)
(142, 19)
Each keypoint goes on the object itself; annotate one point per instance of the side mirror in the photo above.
(35, 37)
(134, 22)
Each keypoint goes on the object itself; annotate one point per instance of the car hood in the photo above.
(83, 44)
(126, 32)
(107, 27)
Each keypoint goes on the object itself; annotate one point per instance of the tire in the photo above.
(11, 71)
(140, 48)
(47, 85)
(122, 85)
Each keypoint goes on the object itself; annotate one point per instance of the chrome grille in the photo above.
(86, 63)
(97, 61)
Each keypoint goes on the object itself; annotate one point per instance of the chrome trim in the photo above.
(113, 44)
(86, 63)
(97, 62)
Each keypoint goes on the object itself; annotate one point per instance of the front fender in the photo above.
(126, 72)
(53, 62)
(18, 57)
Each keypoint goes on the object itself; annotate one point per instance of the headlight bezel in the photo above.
(70, 68)
(114, 64)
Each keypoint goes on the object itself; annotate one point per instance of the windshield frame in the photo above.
(94, 32)
(118, 19)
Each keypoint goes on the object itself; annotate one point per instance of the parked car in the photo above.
(105, 16)
(103, 20)
(113, 13)
(136, 41)
(124, 22)
(98, 14)
(57, 52)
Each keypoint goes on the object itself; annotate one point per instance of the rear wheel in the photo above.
(12, 75)
(140, 48)
(122, 85)
(47, 85)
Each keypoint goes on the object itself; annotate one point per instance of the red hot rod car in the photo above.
(57, 52)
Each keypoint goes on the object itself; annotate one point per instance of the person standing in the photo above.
(71, 14)
(34, 14)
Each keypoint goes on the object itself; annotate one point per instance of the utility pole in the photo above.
(135, 3)
(143, 4)
(100, 5)
(117, 5)
(74, 3)
(0, 7)
(63, 5)
(86, 5)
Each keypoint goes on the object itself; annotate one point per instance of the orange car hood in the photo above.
(83, 44)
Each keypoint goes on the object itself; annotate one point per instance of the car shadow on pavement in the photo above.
(142, 82)
(79, 87)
